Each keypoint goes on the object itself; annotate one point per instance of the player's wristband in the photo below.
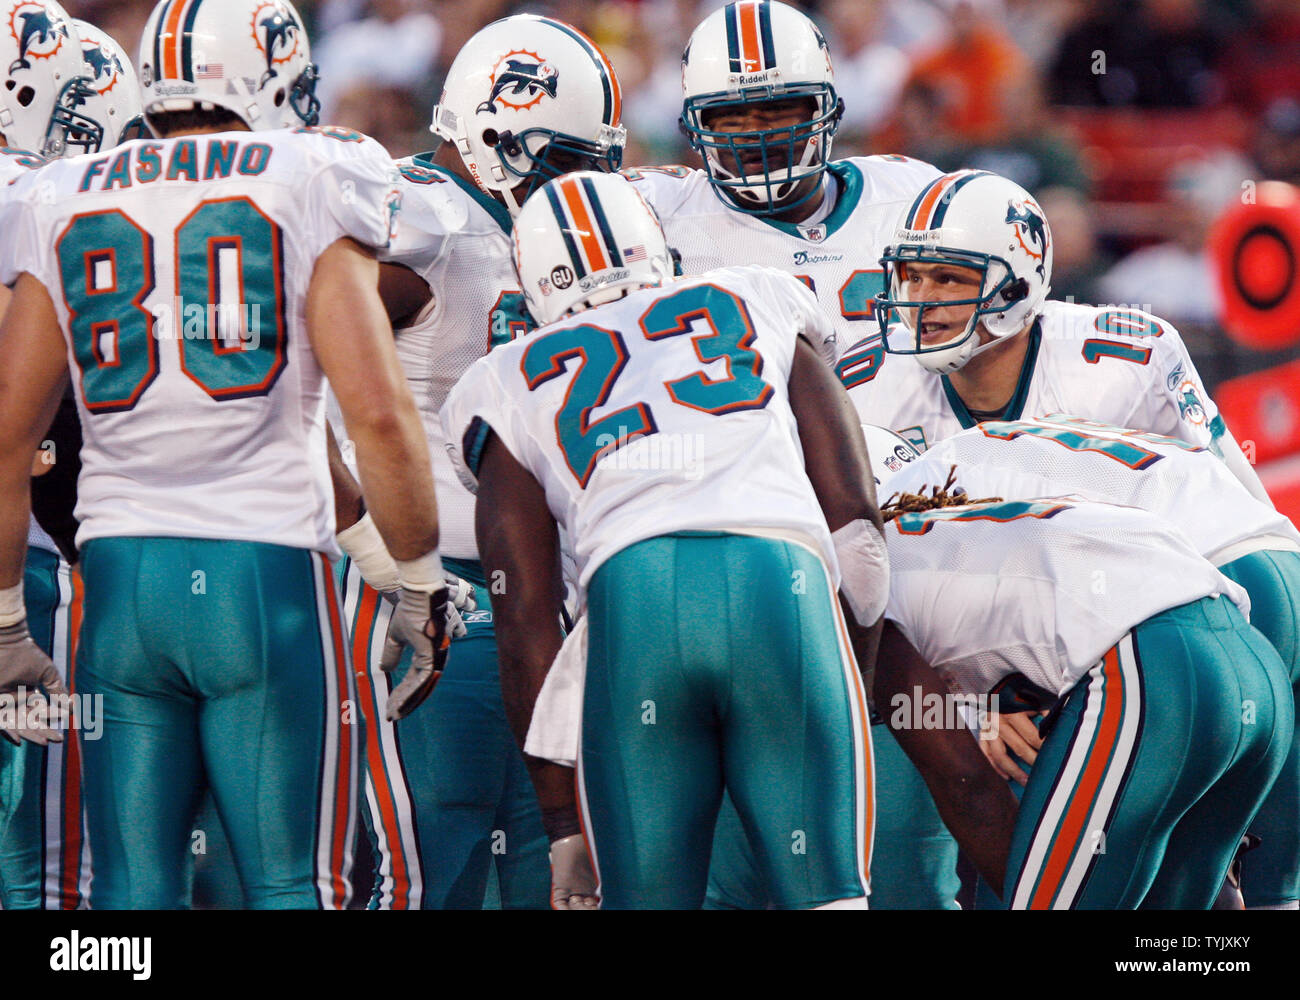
(560, 823)
(424, 574)
(12, 607)
(363, 546)
(864, 569)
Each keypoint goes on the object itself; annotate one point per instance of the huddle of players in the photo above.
(657, 737)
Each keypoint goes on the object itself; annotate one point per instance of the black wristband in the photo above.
(560, 823)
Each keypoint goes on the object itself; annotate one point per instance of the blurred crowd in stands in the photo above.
(1133, 121)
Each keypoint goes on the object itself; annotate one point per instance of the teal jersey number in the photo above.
(603, 355)
(106, 267)
(240, 348)
(1097, 425)
(230, 349)
(1129, 324)
(1003, 512)
(1124, 452)
(731, 334)
(856, 303)
(509, 319)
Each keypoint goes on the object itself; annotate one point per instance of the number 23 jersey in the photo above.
(179, 272)
(665, 411)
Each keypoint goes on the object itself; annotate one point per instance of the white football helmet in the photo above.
(530, 97)
(45, 88)
(115, 99)
(889, 453)
(974, 219)
(584, 239)
(249, 57)
(759, 51)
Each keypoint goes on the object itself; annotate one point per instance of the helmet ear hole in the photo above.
(1016, 291)
(279, 97)
(490, 137)
(26, 96)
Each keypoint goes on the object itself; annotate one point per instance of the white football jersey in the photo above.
(838, 257)
(1182, 483)
(179, 270)
(1039, 588)
(14, 163)
(1118, 366)
(458, 240)
(638, 425)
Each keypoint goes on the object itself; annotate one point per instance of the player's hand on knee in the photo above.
(420, 622)
(24, 670)
(573, 882)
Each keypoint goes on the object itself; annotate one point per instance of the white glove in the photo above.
(419, 621)
(23, 665)
(460, 597)
(573, 883)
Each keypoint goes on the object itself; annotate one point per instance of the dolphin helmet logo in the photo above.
(1028, 220)
(37, 34)
(278, 36)
(105, 68)
(519, 81)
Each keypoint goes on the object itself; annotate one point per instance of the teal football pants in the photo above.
(446, 790)
(44, 863)
(1156, 761)
(221, 664)
(755, 692)
(1271, 872)
(913, 862)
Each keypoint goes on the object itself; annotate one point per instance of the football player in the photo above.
(200, 288)
(46, 109)
(1170, 716)
(761, 110)
(639, 509)
(114, 102)
(525, 99)
(682, 699)
(1247, 540)
(967, 333)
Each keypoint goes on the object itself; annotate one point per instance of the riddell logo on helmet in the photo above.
(37, 36)
(752, 79)
(520, 80)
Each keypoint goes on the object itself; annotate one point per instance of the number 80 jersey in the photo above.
(667, 410)
(179, 272)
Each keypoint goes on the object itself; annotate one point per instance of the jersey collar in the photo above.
(850, 178)
(1014, 408)
(494, 208)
